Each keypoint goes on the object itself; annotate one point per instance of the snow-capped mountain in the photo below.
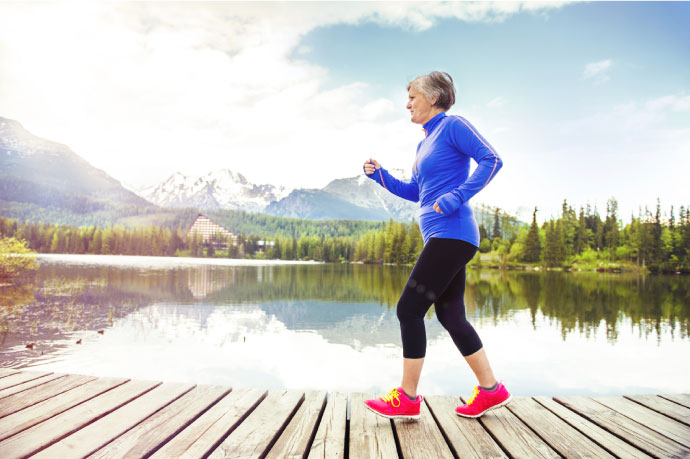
(364, 192)
(222, 189)
(357, 198)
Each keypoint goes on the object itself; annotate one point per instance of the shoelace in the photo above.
(475, 392)
(390, 396)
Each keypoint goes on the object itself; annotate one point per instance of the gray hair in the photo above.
(437, 87)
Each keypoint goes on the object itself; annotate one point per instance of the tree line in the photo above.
(657, 241)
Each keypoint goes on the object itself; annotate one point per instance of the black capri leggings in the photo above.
(438, 277)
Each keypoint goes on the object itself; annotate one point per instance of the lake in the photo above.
(277, 325)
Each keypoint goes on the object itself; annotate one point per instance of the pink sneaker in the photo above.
(482, 401)
(396, 405)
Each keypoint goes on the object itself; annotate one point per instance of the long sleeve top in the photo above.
(441, 174)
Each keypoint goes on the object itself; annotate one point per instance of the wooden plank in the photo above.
(663, 406)
(466, 437)
(7, 372)
(655, 421)
(513, 436)
(27, 398)
(681, 399)
(422, 437)
(22, 420)
(18, 378)
(150, 435)
(634, 433)
(554, 431)
(41, 436)
(255, 436)
(371, 435)
(329, 441)
(30, 384)
(206, 433)
(294, 441)
(96, 435)
(606, 440)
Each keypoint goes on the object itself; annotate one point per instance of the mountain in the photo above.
(354, 198)
(221, 189)
(319, 204)
(48, 177)
(366, 193)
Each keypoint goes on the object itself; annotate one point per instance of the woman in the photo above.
(440, 183)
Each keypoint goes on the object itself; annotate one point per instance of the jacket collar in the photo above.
(430, 125)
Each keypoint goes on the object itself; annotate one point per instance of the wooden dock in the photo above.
(52, 415)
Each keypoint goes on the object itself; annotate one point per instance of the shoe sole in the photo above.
(399, 416)
(503, 403)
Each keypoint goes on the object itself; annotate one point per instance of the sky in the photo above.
(582, 101)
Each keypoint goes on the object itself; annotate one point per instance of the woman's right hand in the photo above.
(370, 166)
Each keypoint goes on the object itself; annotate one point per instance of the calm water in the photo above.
(333, 327)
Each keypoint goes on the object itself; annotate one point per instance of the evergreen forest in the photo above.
(654, 241)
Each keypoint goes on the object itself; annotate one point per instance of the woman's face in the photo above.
(420, 108)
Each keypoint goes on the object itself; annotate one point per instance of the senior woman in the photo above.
(442, 184)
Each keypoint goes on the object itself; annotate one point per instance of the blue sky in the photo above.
(583, 101)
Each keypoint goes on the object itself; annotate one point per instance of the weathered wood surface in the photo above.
(19, 378)
(295, 440)
(26, 398)
(34, 414)
(663, 406)
(371, 436)
(42, 435)
(681, 399)
(554, 431)
(149, 435)
(631, 431)
(255, 436)
(608, 441)
(653, 420)
(514, 436)
(329, 441)
(48, 415)
(7, 372)
(206, 432)
(466, 437)
(101, 432)
(29, 384)
(421, 438)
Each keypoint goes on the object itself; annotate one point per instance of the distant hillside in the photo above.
(319, 204)
(40, 179)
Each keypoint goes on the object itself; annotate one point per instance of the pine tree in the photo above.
(656, 252)
(496, 233)
(549, 253)
(97, 242)
(580, 243)
(532, 243)
(611, 232)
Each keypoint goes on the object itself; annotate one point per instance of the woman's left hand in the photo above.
(437, 208)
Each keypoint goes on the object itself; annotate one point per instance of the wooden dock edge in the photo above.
(57, 415)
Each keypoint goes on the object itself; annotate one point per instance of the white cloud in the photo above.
(598, 71)
(497, 102)
(674, 102)
(142, 90)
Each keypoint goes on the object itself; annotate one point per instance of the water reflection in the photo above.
(274, 325)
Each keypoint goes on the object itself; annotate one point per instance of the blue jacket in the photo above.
(441, 174)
